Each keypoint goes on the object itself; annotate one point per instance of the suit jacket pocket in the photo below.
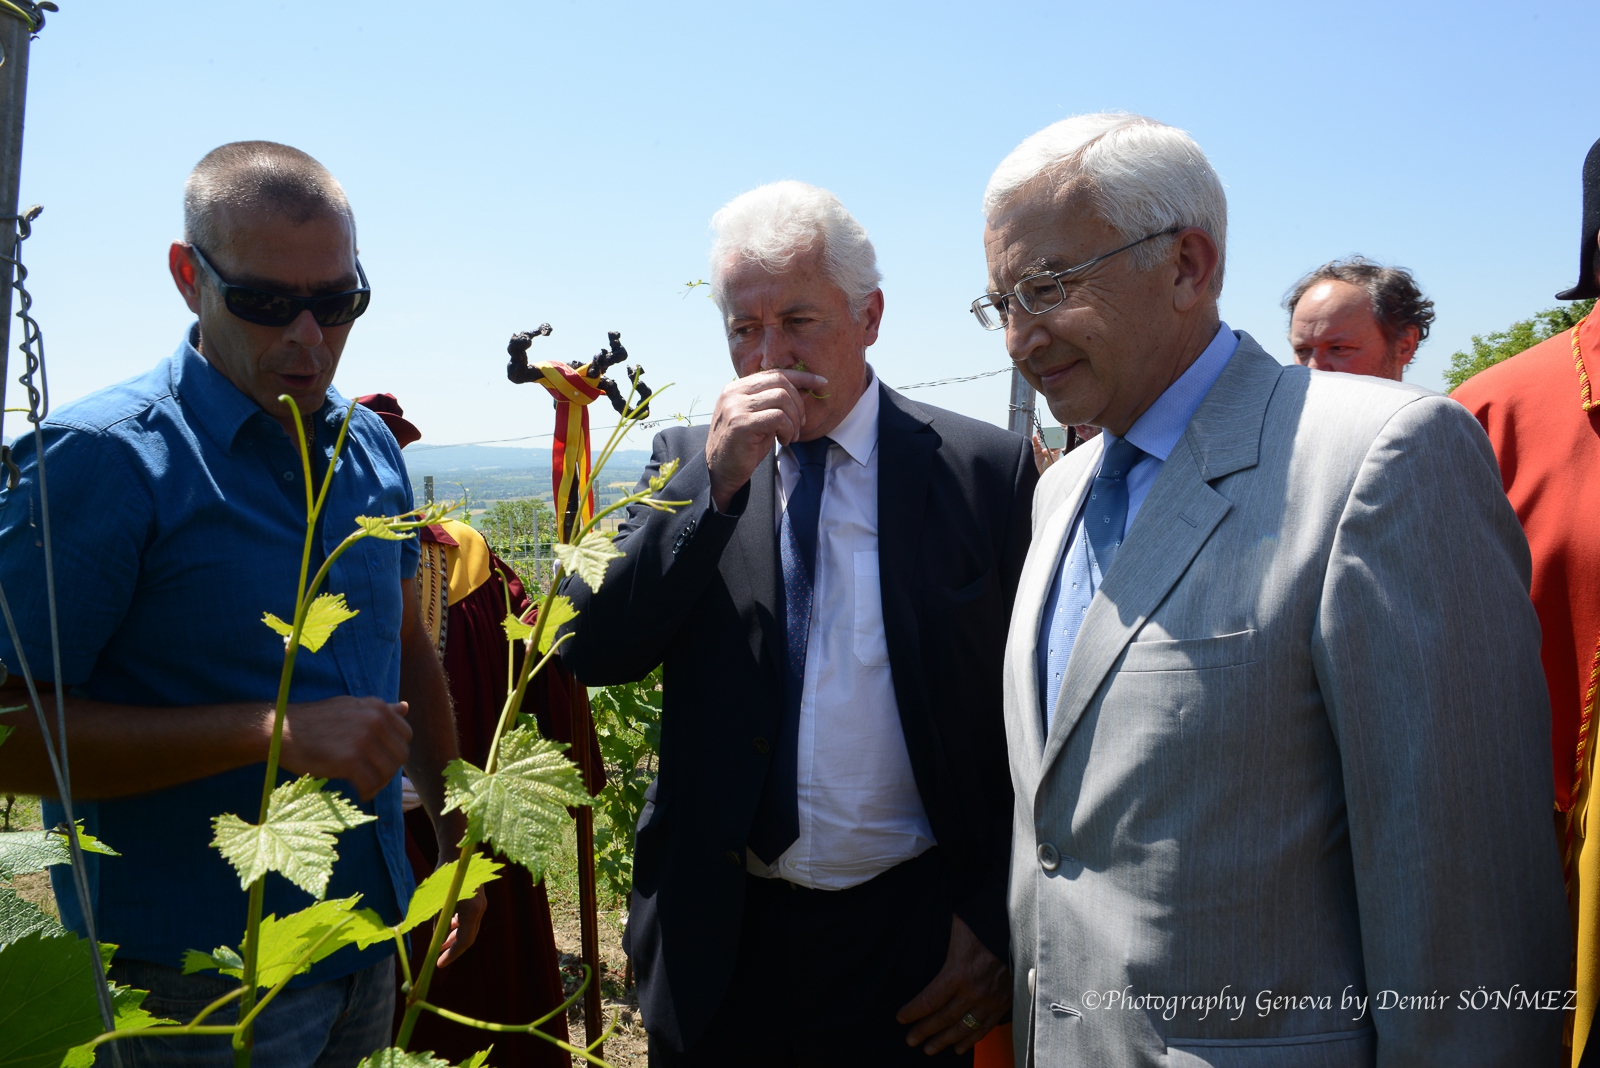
(1191, 654)
(1329, 1049)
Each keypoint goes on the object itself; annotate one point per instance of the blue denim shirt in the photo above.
(177, 509)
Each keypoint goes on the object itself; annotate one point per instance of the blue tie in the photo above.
(777, 822)
(1105, 516)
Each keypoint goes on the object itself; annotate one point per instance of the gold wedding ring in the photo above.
(970, 1022)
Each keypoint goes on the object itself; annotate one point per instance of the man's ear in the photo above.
(1405, 346)
(871, 317)
(184, 275)
(1195, 256)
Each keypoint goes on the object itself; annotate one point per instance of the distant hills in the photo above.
(494, 473)
(431, 461)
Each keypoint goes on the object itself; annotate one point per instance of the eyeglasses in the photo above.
(1039, 293)
(266, 308)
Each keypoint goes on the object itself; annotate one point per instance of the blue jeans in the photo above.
(328, 1025)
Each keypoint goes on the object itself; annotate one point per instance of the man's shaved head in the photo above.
(258, 176)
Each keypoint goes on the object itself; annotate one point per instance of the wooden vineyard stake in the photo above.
(588, 899)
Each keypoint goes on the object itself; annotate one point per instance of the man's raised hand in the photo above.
(751, 413)
(360, 739)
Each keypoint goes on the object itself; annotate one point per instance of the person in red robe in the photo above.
(513, 973)
(1541, 416)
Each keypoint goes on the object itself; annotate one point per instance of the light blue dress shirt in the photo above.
(1156, 432)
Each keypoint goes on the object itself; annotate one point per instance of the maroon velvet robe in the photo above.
(511, 973)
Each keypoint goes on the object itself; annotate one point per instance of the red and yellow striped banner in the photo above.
(569, 456)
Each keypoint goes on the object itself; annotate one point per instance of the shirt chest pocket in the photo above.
(383, 574)
(871, 647)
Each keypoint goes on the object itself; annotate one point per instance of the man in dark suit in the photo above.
(820, 871)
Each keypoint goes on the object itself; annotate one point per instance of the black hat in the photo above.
(1586, 286)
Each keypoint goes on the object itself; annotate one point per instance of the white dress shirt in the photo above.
(860, 812)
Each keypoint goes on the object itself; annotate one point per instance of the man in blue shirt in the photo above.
(178, 518)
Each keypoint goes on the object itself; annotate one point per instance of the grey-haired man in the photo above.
(820, 871)
(1277, 726)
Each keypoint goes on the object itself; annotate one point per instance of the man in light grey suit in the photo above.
(1276, 720)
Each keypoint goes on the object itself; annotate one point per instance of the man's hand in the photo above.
(1043, 455)
(974, 981)
(751, 413)
(361, 739)
(463, 925)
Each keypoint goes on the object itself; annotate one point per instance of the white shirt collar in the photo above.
(857, 434)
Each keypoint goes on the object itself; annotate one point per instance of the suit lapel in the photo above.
(751, 572)
(1033, 592)
(906, 444)
(1173, 523)
(1176, 519)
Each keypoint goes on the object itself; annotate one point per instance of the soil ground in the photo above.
(626, 1047)
(24, 816)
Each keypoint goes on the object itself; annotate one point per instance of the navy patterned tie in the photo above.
(777, 822)
(1106, 514)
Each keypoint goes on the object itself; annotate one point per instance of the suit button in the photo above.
(1049, 858)
(735, 859)
(761, 745)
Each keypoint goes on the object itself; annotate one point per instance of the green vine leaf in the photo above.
(588, 559)
(663, 476)
(521, 808)
(24, 852)
(561, 611)
(47, 1000)
(395, 1057)
(128, 1014)
(297, 839)
(20, 918)
(516, 630)
(800, 365)
(283, 942)
(365, 928)
(429, 898)
(378, 527)
(222, 959)
(325, 614)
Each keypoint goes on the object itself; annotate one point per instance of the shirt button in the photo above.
(288, 476)
(761, 745)
(1049, 858)
(735, 859)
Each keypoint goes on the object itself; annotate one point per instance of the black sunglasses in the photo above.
(266, 308)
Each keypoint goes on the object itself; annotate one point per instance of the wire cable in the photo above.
(36, 381)
(420, 447)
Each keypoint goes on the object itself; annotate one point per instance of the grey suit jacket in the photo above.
(1301, 751)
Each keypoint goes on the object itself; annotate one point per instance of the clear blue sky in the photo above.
(514, 163)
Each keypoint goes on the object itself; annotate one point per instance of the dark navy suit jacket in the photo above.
(698, 591)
